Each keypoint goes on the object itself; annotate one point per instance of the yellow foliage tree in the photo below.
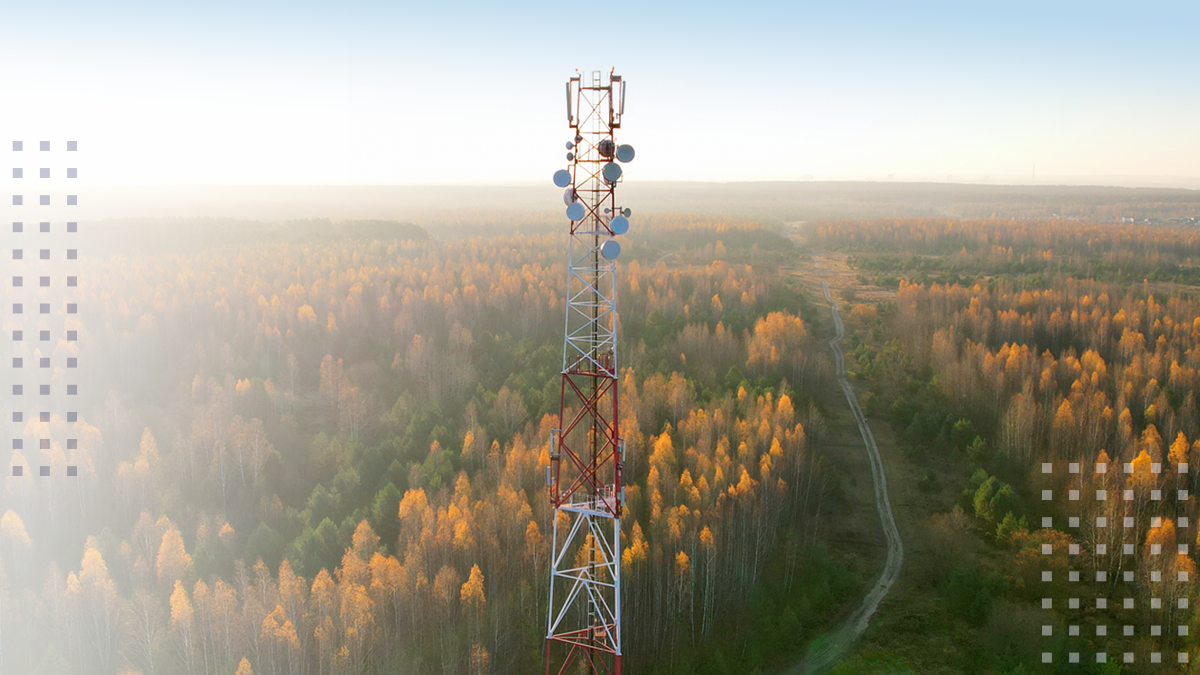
(12, 529)
(173, 561)
(776, 337)
(1178, 453)
(471, 595)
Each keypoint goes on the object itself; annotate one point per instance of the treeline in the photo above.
(936, 250)
(327, 458)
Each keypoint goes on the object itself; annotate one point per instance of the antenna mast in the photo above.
(586, 451)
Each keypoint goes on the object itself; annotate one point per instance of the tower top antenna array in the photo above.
(587, 453)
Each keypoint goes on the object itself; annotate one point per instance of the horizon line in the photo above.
(1062, 181)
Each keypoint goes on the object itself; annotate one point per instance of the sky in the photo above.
(344, 93)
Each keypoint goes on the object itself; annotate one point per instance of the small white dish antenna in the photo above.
(570, 156)
(628, 212)
(612, 171)
(570, 145)
(610, 250)
(575, 211)
(619, 225)
(562, 178)
(625, 153)
(569, 196)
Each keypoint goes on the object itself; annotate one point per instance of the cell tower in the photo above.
(583, 627)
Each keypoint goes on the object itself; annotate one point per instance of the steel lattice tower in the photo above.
(587, 452)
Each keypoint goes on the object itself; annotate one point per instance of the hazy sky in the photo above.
(360, 92)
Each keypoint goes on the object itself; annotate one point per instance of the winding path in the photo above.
(835, 645)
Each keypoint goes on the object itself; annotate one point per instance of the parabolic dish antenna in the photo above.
(610, 250)
(628, 212)
(607, 148)
(625, 153)
(612, 171)
(575, 211)
(619, 225)
(570, 145)
(570, 156)
(569, 196)
(562, 178)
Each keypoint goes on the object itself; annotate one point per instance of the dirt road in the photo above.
(833, 646)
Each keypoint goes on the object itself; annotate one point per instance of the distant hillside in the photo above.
(177, 235)
(443, 207)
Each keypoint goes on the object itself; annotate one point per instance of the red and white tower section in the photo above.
(587, 452)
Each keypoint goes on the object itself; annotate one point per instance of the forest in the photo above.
(315, 447)
(314, 451)
(1016, 357)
